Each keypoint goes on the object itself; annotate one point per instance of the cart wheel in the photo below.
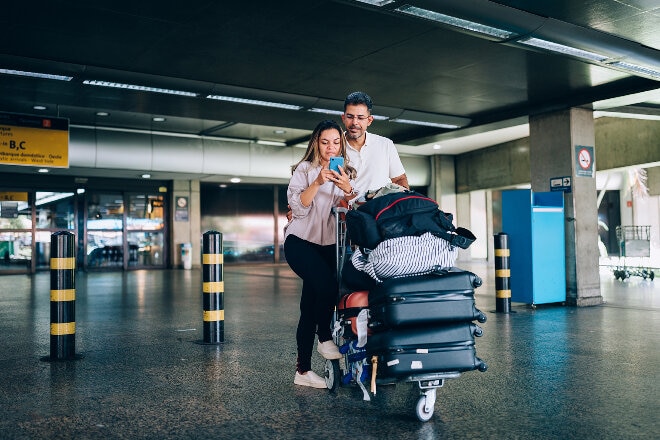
(482, 317)
(332, 374)
(423, 414)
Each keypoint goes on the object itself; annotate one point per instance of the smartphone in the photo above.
(336, 162)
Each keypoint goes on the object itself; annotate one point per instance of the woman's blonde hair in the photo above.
(313, 153)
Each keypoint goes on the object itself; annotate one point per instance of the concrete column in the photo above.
(462, 218)
(186, 227)
(443, 182)
(553, 141)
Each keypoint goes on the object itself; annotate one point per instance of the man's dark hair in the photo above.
(357, 98)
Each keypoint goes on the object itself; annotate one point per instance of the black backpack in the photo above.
(400, 214)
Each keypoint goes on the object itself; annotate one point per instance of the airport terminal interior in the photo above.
(132, 130)
(142, 371)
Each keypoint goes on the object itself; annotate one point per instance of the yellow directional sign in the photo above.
(7, 196)
(34, 140)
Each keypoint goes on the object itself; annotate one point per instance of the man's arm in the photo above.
(401, 180)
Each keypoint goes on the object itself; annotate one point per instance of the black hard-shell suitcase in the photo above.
(425, 350)
(426, 299)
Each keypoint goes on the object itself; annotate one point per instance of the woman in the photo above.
(309, 243)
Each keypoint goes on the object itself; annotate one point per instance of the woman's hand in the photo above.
(325, 175)
(340, 179)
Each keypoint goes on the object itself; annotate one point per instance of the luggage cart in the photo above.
(343, 371)
(634, 242)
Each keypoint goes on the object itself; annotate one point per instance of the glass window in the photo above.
(145, 248)
(54, 210)
(244, 215)
(146, 212)
(105, 248)
(105, 211)
(15, 212)
(15, 250)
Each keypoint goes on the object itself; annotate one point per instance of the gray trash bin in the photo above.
(186, 255)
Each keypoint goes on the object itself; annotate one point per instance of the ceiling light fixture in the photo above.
(380, 118)
(378, 3)
(326, 111)
(456, 22)
(563, 49)
(42, 170)
(235, 180)
(138, 88)
(272, 143)
(146, 176)
(39, 107)
(431, 119)
(339, 113)
(255, 102)
(424, 123)
(102, 114)
(36, 74)
(634, 68)
(158, 119)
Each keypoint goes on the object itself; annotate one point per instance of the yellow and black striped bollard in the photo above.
(213, 288)
(502, 274)
(62, 297)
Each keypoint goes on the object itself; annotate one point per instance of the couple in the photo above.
(370, 162)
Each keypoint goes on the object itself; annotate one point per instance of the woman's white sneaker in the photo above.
(309, 379)
(329, 350)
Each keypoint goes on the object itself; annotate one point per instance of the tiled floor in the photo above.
(554, 372)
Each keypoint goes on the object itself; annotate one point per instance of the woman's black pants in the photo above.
(316, 265)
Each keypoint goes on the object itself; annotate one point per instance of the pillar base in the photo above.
(75, 357)
(586, 301)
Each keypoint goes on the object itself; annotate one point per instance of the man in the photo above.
(374, 157)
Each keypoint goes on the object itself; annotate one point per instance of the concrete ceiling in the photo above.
(311, 53)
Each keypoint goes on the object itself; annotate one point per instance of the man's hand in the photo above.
(401, 180)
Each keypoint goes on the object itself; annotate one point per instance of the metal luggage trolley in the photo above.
(634, 242)
(337, 371)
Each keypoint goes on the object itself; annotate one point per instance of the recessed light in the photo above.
(235, 180)
(102, 114)
(43, 170)
(146, 176)
(223, 185)
(437, 147)
(158, 119)
(279, 131)
(39, 107)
